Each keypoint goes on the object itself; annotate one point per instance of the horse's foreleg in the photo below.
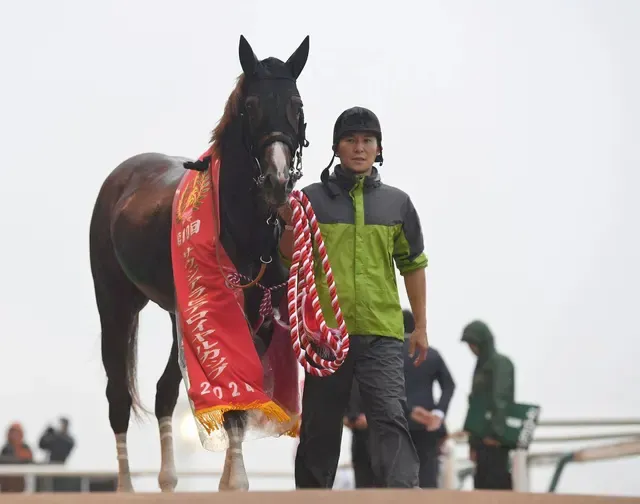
(234, 474)
(226, 471)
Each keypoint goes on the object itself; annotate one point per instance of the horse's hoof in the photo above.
(226, 488)
(240, 485)
(167, 482)
(233, 485)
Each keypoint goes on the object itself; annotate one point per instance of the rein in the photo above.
(302, 296)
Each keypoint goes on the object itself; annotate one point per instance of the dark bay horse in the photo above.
(258, 141)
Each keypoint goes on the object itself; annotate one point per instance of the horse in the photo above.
(258, 141)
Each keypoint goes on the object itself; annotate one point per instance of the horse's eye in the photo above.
(251, 104)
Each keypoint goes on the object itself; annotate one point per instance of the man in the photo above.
(426, 415)
(493, 385)
(367, 226)
(59, 444)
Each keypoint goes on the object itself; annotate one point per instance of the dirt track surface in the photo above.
(320, 497)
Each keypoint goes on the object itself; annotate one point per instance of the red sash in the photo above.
(223, 369)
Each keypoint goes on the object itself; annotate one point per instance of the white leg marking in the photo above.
(237, 478)
(226, 472)
(167, 478)
(124, 474)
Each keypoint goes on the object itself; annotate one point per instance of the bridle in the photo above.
(295, 143)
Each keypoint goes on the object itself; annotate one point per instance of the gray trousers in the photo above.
(377, 363)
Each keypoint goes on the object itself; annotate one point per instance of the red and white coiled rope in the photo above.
(302, 295)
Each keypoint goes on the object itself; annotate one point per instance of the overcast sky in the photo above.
(513, 126)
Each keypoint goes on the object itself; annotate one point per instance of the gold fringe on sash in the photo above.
(212, 418)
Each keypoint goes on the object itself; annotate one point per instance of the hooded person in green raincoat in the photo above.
(494, 385)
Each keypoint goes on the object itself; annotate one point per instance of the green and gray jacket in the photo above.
(366, 226)
(493, 377)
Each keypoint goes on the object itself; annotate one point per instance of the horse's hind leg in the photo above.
(234, 474)
(167, 392)
(119, 303)
(119, 321)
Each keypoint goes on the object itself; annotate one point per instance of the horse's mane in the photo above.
(230, 114)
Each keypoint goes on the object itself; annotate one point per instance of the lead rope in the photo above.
(301, 287)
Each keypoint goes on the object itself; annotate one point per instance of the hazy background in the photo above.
(513, 125)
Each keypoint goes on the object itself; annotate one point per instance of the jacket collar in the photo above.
(347, 179)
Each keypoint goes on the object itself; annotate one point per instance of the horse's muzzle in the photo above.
(276, 189)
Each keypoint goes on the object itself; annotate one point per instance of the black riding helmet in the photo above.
(358, 119)
(351, 120)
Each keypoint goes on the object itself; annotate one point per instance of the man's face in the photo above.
(358, 151)
(474, 349)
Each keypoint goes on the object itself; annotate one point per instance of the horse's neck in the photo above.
(244, 227)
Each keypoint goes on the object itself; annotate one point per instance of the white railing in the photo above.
(454, 470)
(628, 444)
(33, 471)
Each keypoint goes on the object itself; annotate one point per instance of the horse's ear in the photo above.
(248, 59)
(298, 59)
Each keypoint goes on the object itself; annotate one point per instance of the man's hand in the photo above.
(286, 212)
(419, 343)
(420, 415)
(490, 442)
(434, 422)
(360, 422)
(473, 455)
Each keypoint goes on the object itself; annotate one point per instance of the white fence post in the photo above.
(520, 471)
(448, 467)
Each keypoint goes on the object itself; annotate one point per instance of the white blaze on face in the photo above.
(280, 161)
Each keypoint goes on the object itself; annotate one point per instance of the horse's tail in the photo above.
(132, 373)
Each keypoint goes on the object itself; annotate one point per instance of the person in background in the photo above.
(426, 415)
(15, 451)
(356, 420)
(494, 383)
(59, 443)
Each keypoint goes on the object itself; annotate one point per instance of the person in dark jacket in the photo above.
(425, 414)
(58, 443)
(356, 421)
(494, 383)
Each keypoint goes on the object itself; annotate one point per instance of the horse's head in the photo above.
(273, 120)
